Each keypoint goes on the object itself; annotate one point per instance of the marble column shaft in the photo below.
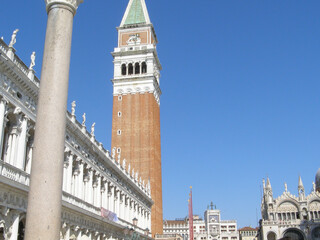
(45, 193)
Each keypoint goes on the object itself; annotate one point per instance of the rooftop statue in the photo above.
(73, 108)
(13, 38)
(33, 60)
(92, 129)
(84, 120)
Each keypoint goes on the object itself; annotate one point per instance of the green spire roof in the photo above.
(135, 14)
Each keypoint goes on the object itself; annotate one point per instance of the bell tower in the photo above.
(136, 102)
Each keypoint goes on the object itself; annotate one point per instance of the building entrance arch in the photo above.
(316, 233)
(294, 234)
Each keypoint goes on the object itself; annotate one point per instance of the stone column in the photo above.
(65, 173)
(111, 198)
(76, 173)
(29, 157)
(79, 237)
(15, 226)
(118, 203)
(3, 107)
(67, 235)
(90, 186)
(80, 179)
(45, 194)
(69, 173)
(14, 146)
(99, 191)
(22, 143)
(103, 194)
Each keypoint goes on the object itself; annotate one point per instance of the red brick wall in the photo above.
(140, 144)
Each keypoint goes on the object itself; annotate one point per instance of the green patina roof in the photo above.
(136, 14)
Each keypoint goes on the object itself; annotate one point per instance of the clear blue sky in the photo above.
(240, 85)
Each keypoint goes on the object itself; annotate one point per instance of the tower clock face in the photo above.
(213, 218)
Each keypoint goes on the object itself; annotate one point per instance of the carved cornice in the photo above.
(73, 4)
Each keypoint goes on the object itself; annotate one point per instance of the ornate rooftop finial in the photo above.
(211, 205)
(285, 187)
(129, 168)
(84, 120)
(300, 185)
(73, 108)
(313, 186)
(33, 60)
(268, 183)
(13, 38)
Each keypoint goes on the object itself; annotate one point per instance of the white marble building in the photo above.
(211, 228)
(290, 216)
(101, 198)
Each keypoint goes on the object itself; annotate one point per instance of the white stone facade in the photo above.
(100, 198)
(144, 56)
(211, 228)
(296, 217)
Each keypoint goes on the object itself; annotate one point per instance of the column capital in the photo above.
(73, 4)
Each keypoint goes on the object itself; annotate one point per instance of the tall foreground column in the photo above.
(45, 194)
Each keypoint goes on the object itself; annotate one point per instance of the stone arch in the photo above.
(287, 205)
(315, 233)
(294, 234)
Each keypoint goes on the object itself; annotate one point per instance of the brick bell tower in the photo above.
(136, 102)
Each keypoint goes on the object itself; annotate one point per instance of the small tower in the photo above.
(301, 189)
(136, 101)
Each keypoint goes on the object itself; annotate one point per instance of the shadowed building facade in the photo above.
(136, 102)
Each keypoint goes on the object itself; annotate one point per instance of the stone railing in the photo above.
(14, 173)
(134, 48)
(18, 62)
(282, 223)
(228, 221)
(131, 226)
(3, 46)
(80, 203)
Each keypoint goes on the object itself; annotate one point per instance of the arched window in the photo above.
(123, 69)
(130, 69)
(137, 68)
(144, 67)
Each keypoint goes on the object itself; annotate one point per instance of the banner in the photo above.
(109, 215)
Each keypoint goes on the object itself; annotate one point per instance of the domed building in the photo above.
(290, 216)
